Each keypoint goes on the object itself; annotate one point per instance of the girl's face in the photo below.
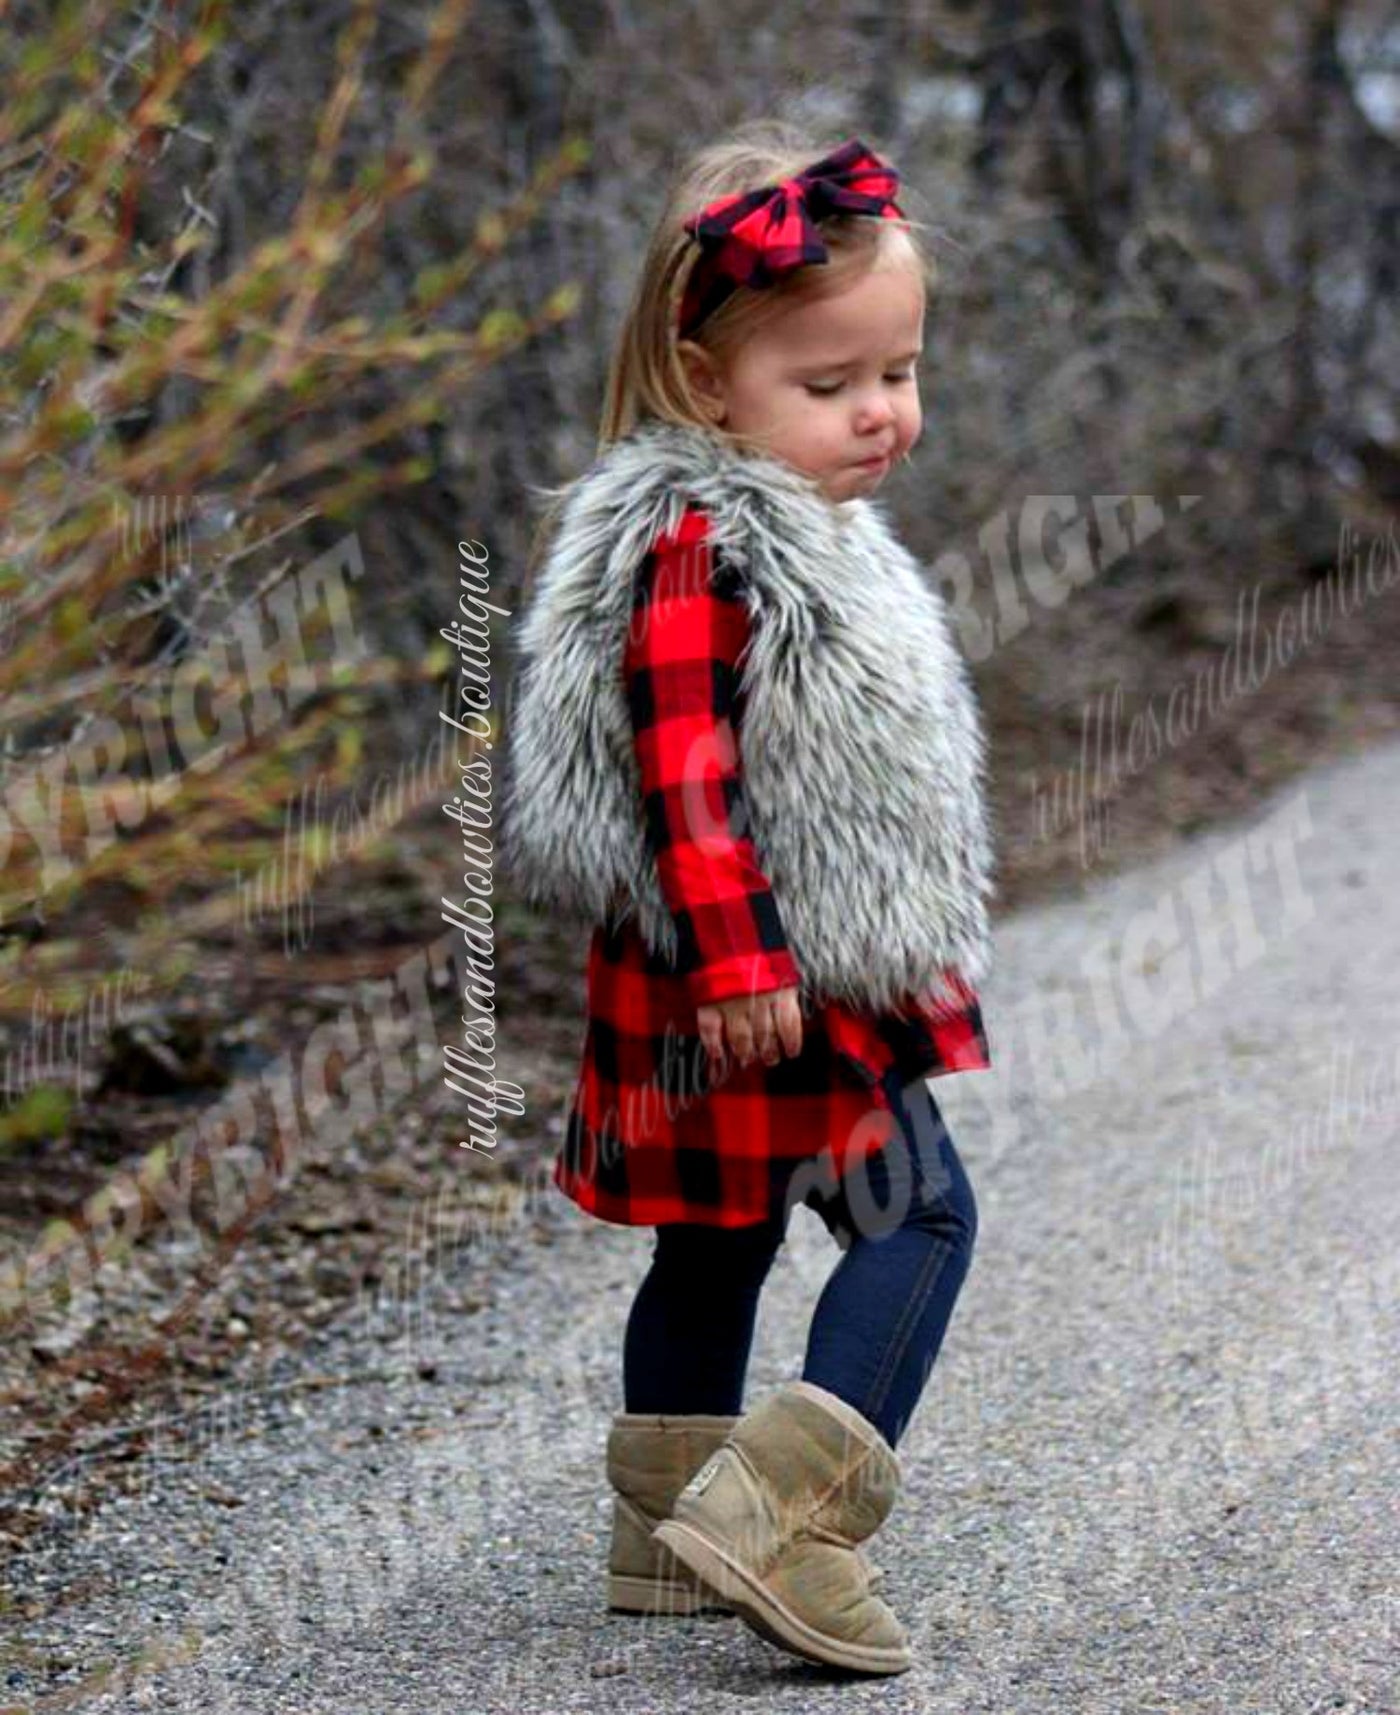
(831, 386)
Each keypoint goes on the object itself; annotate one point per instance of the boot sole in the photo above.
(628, 1594)
(758, 1607)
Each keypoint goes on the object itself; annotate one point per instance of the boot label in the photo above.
(701, 1480)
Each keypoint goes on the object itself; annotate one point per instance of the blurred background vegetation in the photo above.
(275, 272)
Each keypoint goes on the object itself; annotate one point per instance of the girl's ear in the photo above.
(704, 378)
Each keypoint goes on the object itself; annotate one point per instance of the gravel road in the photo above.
(1155, 1468)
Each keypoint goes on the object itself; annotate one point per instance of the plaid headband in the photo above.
(753, 237)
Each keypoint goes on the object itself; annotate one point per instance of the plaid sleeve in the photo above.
(679, 666)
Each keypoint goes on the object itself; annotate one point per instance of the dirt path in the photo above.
(1155, 1468)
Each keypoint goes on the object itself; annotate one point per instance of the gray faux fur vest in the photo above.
(863, 753)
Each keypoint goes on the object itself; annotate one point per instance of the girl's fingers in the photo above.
(765, 1036)
(788, 1017)
(741, 1038)
(760, 1027)
(710, 1023)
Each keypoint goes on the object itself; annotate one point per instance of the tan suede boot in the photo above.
(771, 1522)
(650, 1458)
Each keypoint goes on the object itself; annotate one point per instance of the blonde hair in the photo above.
(647, 379)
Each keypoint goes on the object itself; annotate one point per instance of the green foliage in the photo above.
(175, 417)
(41, 1113)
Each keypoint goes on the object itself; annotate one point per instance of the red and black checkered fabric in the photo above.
(653, 1134)
(751, 238)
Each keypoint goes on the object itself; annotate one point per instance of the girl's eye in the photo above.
(825, 392)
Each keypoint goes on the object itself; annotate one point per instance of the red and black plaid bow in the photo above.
(752, 237)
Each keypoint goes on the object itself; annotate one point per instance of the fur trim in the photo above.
(863, 755)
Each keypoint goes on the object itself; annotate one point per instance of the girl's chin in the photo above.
(855, 480)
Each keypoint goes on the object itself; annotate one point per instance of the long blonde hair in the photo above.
(646, 377)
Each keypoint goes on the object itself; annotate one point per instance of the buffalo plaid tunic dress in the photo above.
(652, 1134)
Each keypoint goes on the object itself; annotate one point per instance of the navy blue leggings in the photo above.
(905, 1221)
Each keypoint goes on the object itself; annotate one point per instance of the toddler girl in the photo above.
(743, 745)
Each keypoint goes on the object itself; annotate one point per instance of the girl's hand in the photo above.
(762, 1024)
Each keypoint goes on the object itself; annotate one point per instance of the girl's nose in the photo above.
(875, 415)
